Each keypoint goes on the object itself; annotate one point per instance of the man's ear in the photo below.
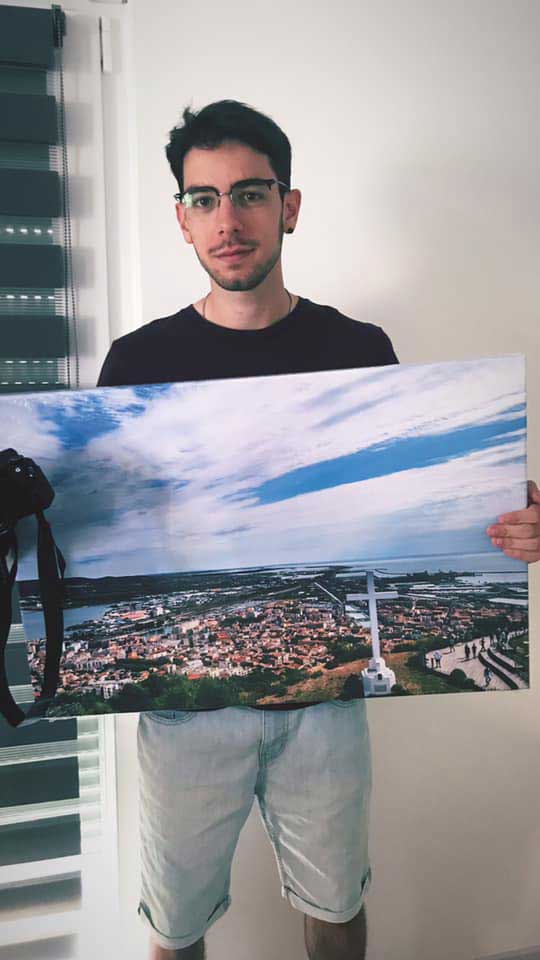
(182, 220)
(291, 208)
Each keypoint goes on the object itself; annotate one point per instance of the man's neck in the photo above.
(245, 310)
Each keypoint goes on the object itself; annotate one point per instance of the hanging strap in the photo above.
(8, 542)
(51, 568)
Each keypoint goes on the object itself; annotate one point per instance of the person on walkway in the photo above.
(438, 659)
(474, 649)
(467, 650)
(487, 676)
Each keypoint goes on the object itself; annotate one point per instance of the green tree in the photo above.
(398, 690)
(132, 698)
(353, 688)
(257, 682)
(211, 692)
(460, 679)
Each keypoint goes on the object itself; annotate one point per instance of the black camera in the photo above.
(24, 489)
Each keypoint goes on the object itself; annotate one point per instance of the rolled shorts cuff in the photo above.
(178, 943)
(319, 913)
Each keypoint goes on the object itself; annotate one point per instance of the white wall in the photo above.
(415, 141)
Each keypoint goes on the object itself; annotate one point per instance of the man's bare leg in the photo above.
(194, 952)
(336, 941)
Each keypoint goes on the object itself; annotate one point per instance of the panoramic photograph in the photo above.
(285, 539)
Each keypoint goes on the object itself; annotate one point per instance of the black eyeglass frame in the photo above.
(179, 197)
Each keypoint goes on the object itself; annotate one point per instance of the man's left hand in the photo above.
(517, 534)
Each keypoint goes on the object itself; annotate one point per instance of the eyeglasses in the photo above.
(244, 195)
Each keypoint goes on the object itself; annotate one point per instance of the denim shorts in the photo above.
(199, 773)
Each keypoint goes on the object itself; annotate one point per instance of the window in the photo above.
(58, 826)
(36, 303)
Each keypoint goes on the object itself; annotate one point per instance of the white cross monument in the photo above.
(377, 678)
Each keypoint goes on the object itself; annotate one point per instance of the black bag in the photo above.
(24, 490)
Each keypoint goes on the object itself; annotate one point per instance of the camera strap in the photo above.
(51, 567)
(8, 542)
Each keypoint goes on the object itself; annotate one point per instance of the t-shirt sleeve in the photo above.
(111, 372)
(387, 352)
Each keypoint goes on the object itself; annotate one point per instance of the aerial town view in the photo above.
(281, 539)
(278, 635)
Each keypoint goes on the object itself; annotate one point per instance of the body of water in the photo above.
(495, 578)
(477, 563)
(34, 624)
(515, 603)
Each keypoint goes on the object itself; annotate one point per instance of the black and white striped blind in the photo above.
(36, 295)
(57, 783)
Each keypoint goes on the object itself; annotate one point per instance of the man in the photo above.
(309, 767)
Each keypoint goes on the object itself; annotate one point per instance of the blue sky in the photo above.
(341, 465)
(399, 454)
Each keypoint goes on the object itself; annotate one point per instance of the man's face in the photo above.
(238, 247)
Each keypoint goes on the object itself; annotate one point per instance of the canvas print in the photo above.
(284, 539)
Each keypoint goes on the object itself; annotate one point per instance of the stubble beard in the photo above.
(254, 279)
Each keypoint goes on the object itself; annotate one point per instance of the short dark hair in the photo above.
(226, 121)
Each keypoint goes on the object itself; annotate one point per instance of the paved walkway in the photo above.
(472, 667)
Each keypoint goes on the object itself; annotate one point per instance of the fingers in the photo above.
(532, 508)
(533, 493)
(528, 556)
(522, 531)
(517, 543)
(517, 533)
(527, 515)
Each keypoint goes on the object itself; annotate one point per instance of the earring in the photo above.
(290, 230)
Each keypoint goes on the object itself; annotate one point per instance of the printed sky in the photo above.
(340, 465)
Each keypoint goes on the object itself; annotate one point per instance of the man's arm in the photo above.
(517, 534)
